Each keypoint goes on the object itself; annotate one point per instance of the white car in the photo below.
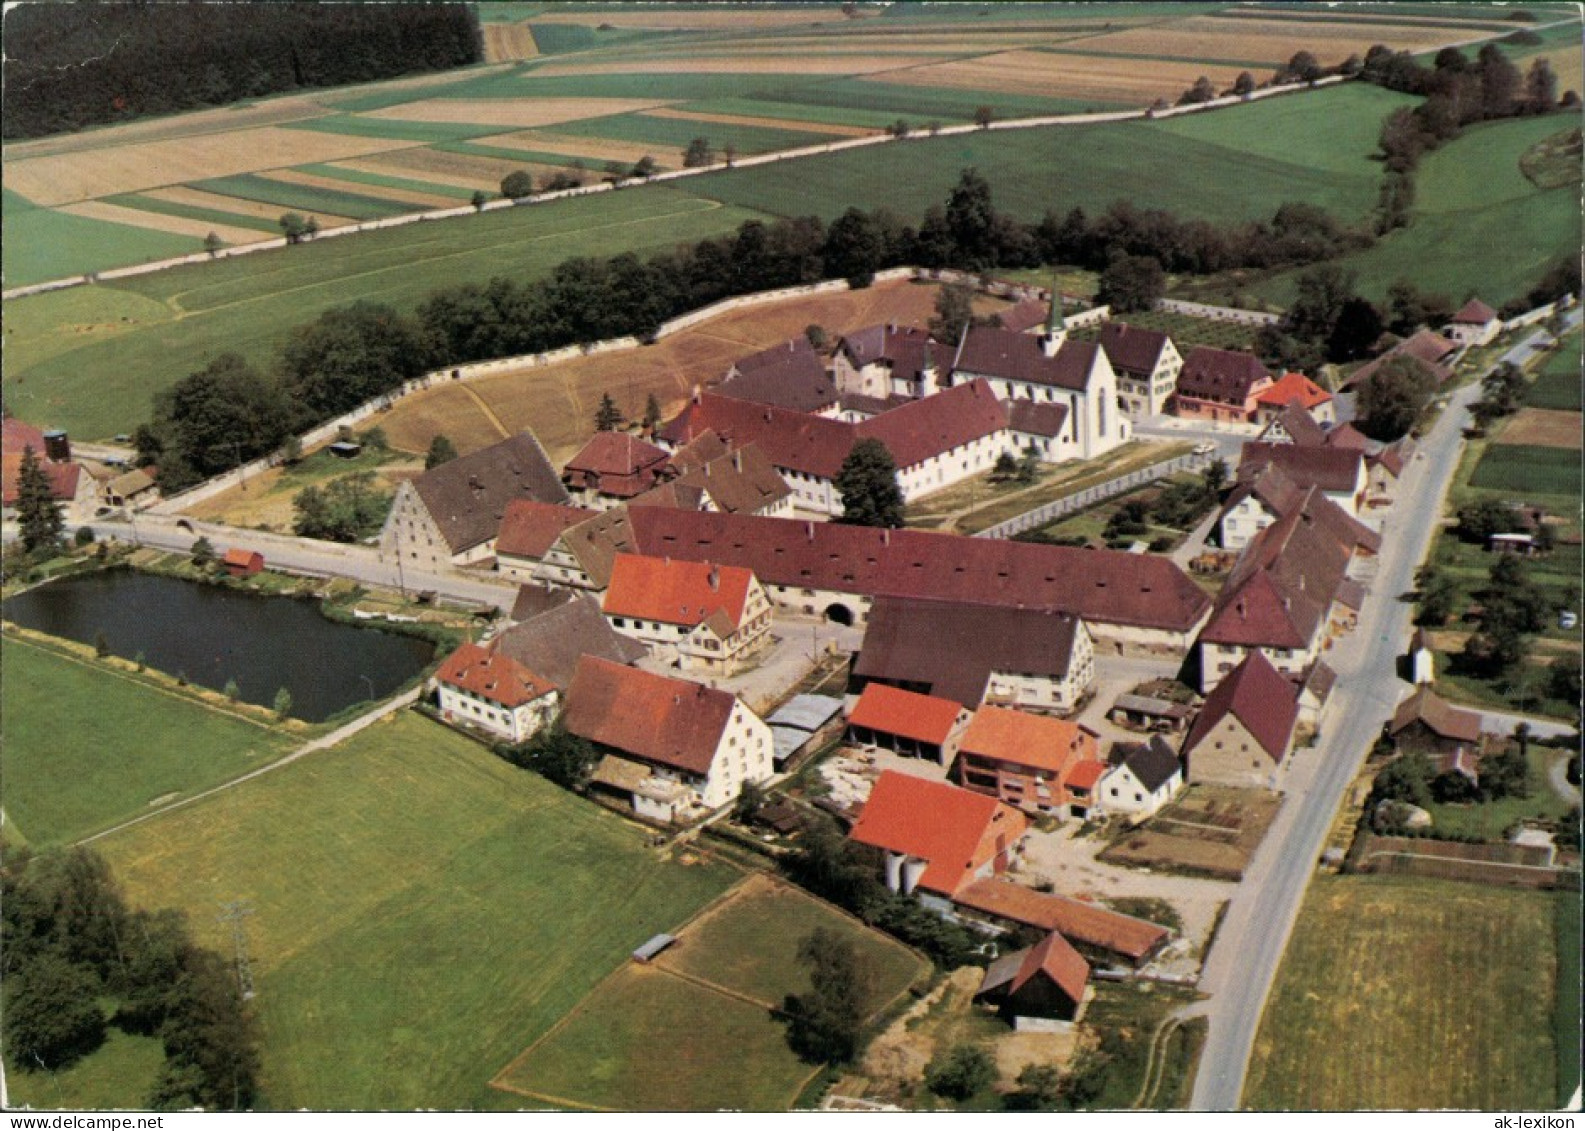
(1204, 449)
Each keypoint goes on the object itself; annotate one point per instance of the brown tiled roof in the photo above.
(530, 528)
(1022, 317)
(1082, 922)
(1300, 426)
(1259, 612)
(790, 375)
(16, 435)
(738, 482)
(904, 348)
(651, 717)
(1474, 313)
(1425, 346)
(904, 645)
(704, 447)
(467, 497)
(870, 406)
(1257, 695)
(1153, 762)
(63, 477)
(616, 454)
(1274, 489)
(491, 675)
(1132, 351)
(1425, 706)
(989, 352)
(1347, 436)
(1053, 956)
(1220, 375)
(1099, 586)
(1036, 418)
(918, 430)
(597, 541)
(550, 641)
(1330, 468)
(954, 830)
(1319, 680)
(533, 599)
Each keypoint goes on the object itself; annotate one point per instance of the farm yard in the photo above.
(501, 900)
(708, 999)
(1212, 830)
(1401, 993)
(757, 80)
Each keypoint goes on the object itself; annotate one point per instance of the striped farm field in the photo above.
(304, 198)
(512, 113)
(393, 130)
(757, 122)
(1274, 39)
(586, 149)
(42, 243)
(669, 17)
(666, 133)
(354, 175)
(158, 220)
(461, 169)
(507, 43)
(244, 213)
(414, 198)
(1069, 76)
(728, 65)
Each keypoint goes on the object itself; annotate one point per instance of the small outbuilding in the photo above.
(1042, 984)
(242, 563)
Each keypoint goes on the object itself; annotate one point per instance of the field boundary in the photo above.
(671, 175)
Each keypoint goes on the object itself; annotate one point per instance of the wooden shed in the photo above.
(242, 563)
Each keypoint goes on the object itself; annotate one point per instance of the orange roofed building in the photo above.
(1291, 388)
(704, 614)
(495, 693)
(937, 838)
(1023, 759)
(906, 722)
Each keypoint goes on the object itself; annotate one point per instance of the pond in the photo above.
(211, 634)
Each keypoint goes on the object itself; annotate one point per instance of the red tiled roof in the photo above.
(63, 477)
(653, 718)
(467, 497)
(1036, 741)
(918, 430)
(1053, 956)
(1257, 695)
(676, 592)
(240, 557)
(1300, 426)
(906, 350)
(1271, 486)
(1425, 706)
(1099, 586)
(1003, 354)
(1082, 922)
(1474, 313)
(790, 375)
(1425, 346)
(1334, 469)
(1036, 418)
(1294, 387)
(616, 453)
(1220, 375)
(1257, 612)
(530, 528)
(1024, 316)
(15, 435)
(953, 830)
(490, 675)
(1131, 350)
(907, 714)
(1085, 774)
(1347, 436)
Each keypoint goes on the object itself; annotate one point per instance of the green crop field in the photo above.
(87, 746)
(195, 212)
(1566, 1011)
(42, 244)
(423, 911)
(676, 133)
(384, 180)
(1528, 470)
(1557, 385)
(395, 129)
(89, 372)
(306, 198)
(1410, 993)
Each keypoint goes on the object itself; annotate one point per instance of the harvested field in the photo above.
(466, 170)
(1210, 829)
(558, 401)
(159, 222)
(198, 198)
(71, 177)
(1068, 76)
(773, 123)
(386, 192)
(780, 65)
(670, 16)
(514, 112)
(275, 112)
(1273, 41)
(506, 43)
(587, 148)
(1546, 427)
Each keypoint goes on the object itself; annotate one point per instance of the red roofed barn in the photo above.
(1043, 982)
(1023, 759)
(906, 722)
(1244, 730)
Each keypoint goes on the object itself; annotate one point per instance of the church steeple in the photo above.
(1056, 324)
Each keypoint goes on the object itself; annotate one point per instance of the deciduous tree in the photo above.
(517, 184)
(868, 486)
(1392, 399)
(441, 450)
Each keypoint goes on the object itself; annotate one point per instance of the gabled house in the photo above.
(1243, 733)
(1255, 502)
(493, 692)
(1422, 659)
(677, 750)
(706, 475)
(451, 514)
(71, 486)
(889, 361)
(1426, 347)
(1337, 471)
(1023, 759)
(1315, 692)
(1295, 388)
(1147, 365)
(1291, 424)
(905, 722)
(1475, 324)
(612, 468)
(528, 530)
(705, 615)
(558, 627)
(1428, 723)
(1219, 385)
(1143, 777)
(1037, 985)
(971, 654)
(937, 839)
(790, 376)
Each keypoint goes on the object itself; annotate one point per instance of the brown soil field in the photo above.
(263, 503)
(198, 198)
(1073, 76)
(71, 177)
(773, 123)
(1273, 40)
(155, 221)
(1174, 838)
(558, 401)
(504, 43)
(1546, 427)
(467, 170)
(384, 192)
(514, 112)
(340, 94)
(275, 112)
(1345, 16)
(588, 148)
(665, 16)
(781, 65)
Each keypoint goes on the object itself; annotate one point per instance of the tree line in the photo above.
(77, 960)
(68, 66)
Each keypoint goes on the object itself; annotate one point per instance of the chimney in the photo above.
(737, 459)
(809, 530)
(714, 578)
(1240, 608)
(886, 536)
(697, 392)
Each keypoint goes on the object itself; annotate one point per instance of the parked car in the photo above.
(1567, 619)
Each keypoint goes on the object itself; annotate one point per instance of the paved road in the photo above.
(358, 563)
(1502, 722)
(1243, 963)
